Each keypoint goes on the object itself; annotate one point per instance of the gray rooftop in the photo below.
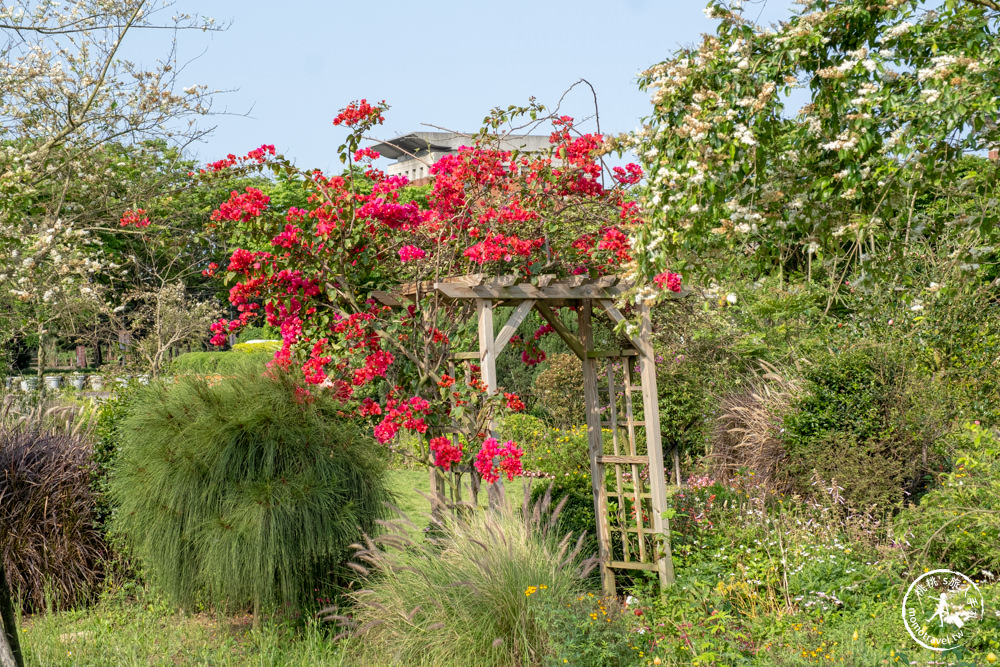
(417, 144)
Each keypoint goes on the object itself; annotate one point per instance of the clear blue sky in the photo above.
(292, 65)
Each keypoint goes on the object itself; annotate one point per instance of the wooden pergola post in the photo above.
(488, 368)
(595, 441)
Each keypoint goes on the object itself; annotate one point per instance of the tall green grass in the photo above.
(243, 491)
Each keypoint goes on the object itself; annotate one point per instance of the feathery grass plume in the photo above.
(747, 435)
(246, 489)
(48, 542)
(48, 413)
(484, 589)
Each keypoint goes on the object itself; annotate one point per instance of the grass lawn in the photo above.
(123, 631)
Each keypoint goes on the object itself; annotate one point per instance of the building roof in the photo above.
(416, 144)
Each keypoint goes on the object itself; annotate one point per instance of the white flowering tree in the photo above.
(73, 115)
(809, 145)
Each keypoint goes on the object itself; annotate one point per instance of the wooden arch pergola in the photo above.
(632, 531)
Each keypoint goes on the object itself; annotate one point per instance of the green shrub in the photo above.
(682, 402)
(108, 435)
(247, 490)
(559, 389)
(484, 589)
(219, 363)
(590, 631)
(956, 524)
(547, 450)
(49, 545)
(853, 426)
(269, 346)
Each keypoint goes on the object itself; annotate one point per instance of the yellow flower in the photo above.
(855, 636)
(991, 657)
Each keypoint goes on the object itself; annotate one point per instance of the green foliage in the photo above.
(219, 363)
(108, 437)
(49, 546)
(588, 631)
(851, 427)
(476, 591)
(243, 490)
(894, 97)
(258, 333)
(682, 401)
(559, 389)
(549, 450)
(957, 523)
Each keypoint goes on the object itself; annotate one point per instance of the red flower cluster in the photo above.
(445, 453)
(498, 247)
(514, 402)
(630, 175)
(242, 207)
(257, 155)
(492, 460)
(408, 253)
(402, 414)
(533, 356)
(484, 214)
(360, 113)
(543, 330)
(375, 366)
(667, 280)
(134, 218)
(617, 243)
(366, 154)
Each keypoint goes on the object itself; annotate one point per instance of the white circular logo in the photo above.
(941, 609)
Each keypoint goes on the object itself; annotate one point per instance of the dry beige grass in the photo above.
(747, 434)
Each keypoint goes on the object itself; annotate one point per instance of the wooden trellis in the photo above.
(625, 451)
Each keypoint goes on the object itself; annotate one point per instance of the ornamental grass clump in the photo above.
(49, 546)
(480, 594)
(248, 491)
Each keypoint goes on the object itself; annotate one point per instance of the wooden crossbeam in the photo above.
(630, 565)
(516, 318)
(529, 291)
(622, 459)
(388, 299)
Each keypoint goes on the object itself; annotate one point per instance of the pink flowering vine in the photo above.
(408, 253)
(322, 273)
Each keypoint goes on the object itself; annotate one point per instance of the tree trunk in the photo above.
(10, 646)
(41, 359)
